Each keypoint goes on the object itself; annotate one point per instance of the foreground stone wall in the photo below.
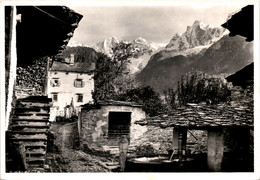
(93, 125)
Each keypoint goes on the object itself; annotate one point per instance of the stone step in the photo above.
(33, 104)
(29, 132)
(29, 123)
(115, 149)
(42, 99)
(31, 120)
(35, 154)
(33, 160)
(33, 116)
(35, 169)
(35, 144)
(20, 110)
(30, 129)
(28, 137)
(22, 140)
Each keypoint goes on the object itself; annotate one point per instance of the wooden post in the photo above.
(215, 149)
(175, 140)
(47, 76)
(123, 147)
(12, 57)
(179, 142)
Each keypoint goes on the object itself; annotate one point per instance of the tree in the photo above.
(152, 104)
(110, 71)
(104, 75)
(170, 99)
(196, 87)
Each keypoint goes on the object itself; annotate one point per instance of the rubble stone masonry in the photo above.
(93, 125)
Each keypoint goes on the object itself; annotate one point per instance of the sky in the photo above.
(154, 23)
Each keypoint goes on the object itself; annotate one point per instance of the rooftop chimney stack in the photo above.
(71, 59)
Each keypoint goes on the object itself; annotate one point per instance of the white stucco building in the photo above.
(68, 84)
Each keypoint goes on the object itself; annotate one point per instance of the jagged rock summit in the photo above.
(199, 34)
(106, 45)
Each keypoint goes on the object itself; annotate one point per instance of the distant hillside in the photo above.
(225, 56)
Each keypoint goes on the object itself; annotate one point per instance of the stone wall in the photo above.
(93, 125)
(65, 135)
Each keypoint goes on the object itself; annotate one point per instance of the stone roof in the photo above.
(243, 77)
(201, 116)
(242, 23)
(80, 67)
(239, 113)
(44, 31)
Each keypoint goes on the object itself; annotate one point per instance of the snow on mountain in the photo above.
(145, 50)
(139, 44)
(145, 44)
(199, 34)
(142, 50)
(138, 64)
(196, 39)
(75, 44)
(106, 45)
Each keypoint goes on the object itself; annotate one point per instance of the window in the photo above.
(55, 82)
(79, 83)
(55, 96)
(79, 97)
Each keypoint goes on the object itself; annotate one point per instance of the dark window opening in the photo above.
(79, 97)
(55, 96)
(55, 82)
(79, 83)
(119, 124)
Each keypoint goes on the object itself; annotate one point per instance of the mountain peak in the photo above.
(113, 38)
(140, 39)
(176, 36)
(196, 22)
(200, 24)
(199, 34)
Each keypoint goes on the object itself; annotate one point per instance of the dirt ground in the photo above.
(64, 154)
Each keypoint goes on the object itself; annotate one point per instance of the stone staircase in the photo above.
(29, 131)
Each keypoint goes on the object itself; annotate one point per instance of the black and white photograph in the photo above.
(121, 88)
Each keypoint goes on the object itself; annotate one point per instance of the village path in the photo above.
(65, 155)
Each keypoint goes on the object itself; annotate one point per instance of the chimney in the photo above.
(93, 66)
(71, 59)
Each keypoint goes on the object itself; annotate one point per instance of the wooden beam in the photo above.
(13, 64)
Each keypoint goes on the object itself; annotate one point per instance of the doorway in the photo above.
(118, 125)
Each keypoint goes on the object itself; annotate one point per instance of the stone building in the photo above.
(70, 84)
(101, 125)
